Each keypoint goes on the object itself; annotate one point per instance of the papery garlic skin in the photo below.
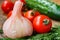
(17, 26)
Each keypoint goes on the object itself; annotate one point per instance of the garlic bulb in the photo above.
(17, 26)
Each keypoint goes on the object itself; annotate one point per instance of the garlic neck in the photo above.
(17, 9)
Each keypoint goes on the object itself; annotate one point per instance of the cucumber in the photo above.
(45, 7)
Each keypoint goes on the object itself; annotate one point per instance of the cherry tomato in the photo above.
(42, 24)
(23, 1)
(31, 14)
(7, 6)
(9, 14)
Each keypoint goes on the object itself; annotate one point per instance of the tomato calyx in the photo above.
(32, 14)
(46, 21)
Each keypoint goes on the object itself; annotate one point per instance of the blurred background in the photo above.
(2, 17)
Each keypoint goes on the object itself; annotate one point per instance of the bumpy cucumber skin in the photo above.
(46, 7)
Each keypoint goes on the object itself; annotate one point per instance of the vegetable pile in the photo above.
(26, 20)
(54, 34)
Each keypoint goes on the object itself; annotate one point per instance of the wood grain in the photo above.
(56, 1)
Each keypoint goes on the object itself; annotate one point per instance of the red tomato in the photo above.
(7, 6)
(23, 1)
(31, 14)
(42, 24)
(9, 14)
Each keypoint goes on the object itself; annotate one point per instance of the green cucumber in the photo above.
(46, 7)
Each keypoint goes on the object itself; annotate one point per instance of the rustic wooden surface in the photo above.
(2, 15)
(3, 18)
